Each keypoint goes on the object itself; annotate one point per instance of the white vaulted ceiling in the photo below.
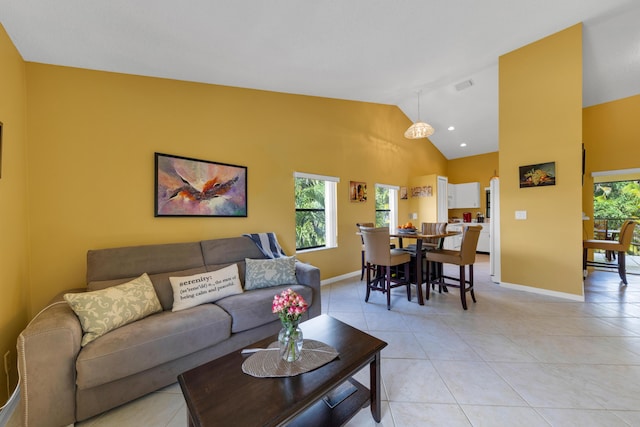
(379, 51)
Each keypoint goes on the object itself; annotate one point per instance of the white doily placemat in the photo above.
(267, 363)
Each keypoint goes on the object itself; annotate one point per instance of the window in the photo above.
(316, 211)
(386, 206)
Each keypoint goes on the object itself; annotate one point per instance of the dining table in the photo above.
(419, 238)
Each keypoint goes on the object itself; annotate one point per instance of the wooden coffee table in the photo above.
(218, 393)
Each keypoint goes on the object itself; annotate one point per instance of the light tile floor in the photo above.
(513, 359)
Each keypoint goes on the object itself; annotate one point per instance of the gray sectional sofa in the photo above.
(62, 382)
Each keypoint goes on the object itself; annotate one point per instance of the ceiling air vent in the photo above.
(464, 85)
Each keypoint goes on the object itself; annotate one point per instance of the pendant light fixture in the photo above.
(419, 129)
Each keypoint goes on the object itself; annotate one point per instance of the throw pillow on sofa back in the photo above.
(107, 309)
(190, 291)
(264, 273)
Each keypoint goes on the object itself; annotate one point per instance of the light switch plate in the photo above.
(521, 214)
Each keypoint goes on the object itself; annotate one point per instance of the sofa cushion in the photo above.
(229, 250)
(265, 273)
(150, 342)
(160, 282)
(163, 285)
(108, 309)
(253, 308)
(218, 253)
(189, 291)
(131, 261)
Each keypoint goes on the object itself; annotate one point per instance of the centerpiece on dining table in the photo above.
(289, 306)
(407, 228)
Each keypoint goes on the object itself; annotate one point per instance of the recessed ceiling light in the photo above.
(464, 144)
(451, 128)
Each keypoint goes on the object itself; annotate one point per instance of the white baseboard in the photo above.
(10, 407)
(338, 278)
(572, 297)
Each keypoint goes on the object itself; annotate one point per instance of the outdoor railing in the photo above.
(608, 229)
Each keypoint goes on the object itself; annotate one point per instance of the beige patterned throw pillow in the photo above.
(110, 308)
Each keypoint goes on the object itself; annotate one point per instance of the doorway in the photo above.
(616, 198)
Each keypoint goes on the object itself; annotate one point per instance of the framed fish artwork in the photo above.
(193, 187)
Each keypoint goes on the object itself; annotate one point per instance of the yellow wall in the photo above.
(478, 168)
(540, 107)
(611, 139)
(14, 283)
(426, 207)
(92, 136)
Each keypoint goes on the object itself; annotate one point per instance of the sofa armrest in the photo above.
(47, 351)
(309, 275)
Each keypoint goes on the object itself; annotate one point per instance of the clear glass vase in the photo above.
(290, 342)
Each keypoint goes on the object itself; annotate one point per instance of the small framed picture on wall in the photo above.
(538, 175)
(404, 194)
(357, 191)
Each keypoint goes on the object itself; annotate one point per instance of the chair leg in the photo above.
(463, 292)
(387, 286)
(363, 266)
(473, 295)
(428, 284)
(366, 297)
(622, 269)
(406, 277)
(584, 262)
(442, 286)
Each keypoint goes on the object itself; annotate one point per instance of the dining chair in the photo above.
(466, 256)
(380, 258)
(601, 231)
(360, 225)
(431, 243)
(431, 228)
(621, 246)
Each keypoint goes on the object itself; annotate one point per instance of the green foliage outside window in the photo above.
(310, 213)
(616, 202)
(383, 210)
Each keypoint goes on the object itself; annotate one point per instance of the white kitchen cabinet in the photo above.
(451, 196)
(454, 242)
(484, 243)
(466, 195)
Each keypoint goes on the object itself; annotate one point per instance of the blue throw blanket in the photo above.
(268, 244)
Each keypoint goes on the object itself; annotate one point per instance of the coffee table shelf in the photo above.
(321, 415)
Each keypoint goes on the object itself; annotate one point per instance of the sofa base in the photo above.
(93, 401)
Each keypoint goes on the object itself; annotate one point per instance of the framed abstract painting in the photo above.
(193, 187)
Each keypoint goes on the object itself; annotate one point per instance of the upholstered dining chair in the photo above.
(611, 246)
(431, 228)
(431, 243)
(466, 256)
(360, 225)
(378, 254)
